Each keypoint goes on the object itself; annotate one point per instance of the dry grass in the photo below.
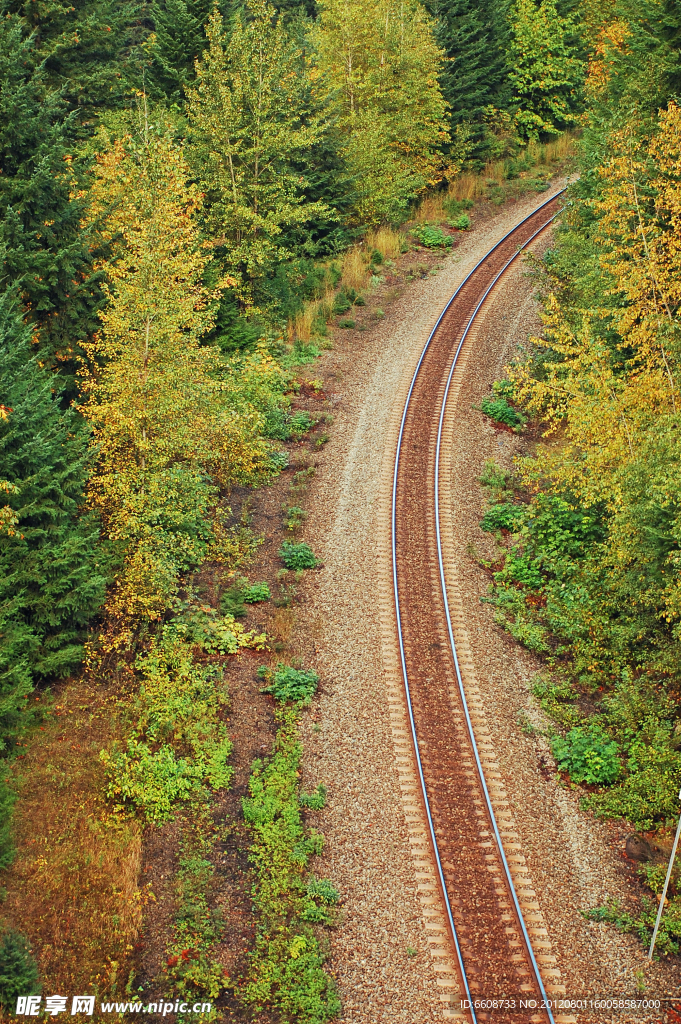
(354, 269)
(537, 155)
(301, 326)
(73, 887)
(385, 240)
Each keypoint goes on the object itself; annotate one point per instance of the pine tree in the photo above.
(91, 52)
(250, 121)
(42, 244)
(180, 38)
(50, 584)
(474, 36)
(381, 68)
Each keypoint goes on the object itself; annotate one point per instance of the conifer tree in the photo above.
(50, 583)
(381, 70)
(180, 38)
(90, 51)
(42, 245)
(250, 120)
(474, 37)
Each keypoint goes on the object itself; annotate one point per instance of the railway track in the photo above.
(491, 943)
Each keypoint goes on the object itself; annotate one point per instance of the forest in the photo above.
(181, 185)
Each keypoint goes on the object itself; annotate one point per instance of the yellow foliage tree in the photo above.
(614, 386)
(169, 420)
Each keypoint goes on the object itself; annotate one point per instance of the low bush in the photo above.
(234, 600)
(257, 592)
(179, 742)
(192, 962)
(286, 970)
(289, 684)
(501, 517)
(500, 411)
(669, 935)
(285, 426)
(298, 556)
(460, 223)
(588, 754)
(431, 237)
(295, 517)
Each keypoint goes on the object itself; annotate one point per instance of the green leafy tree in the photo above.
(544, 67)
(42, 244)
(50, 582)
(250, 119)
(380, 67)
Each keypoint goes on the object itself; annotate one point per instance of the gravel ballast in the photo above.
(382, 952)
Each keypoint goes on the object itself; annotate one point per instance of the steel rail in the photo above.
(410, 710)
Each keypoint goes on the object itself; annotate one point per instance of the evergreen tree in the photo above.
(50, 584)
(474, 36)
(18, 970)
(180, 38)
(91, 52)
(42, 245)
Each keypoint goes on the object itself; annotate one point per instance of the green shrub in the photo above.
(347, 324)
(501, 517)
(18, 970)
(431, 237)
(179, 743)
(529, 634)
(460, 223)
(286, 967)
(232, 601)
(289, 684)
(198, 928)
(236, 597)
(669, 935)
(588, 754)
(321, 895)
(295, 517)
(504, 389)
(519, 568)
(314, 801)
(257, 592)
(298, 556)
(341, 304)
(648, 793)
(457, 206)
(281, 425)
(496, 479)
(499, 410)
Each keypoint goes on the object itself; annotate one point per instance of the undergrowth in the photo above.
(286, 971)
(178, 742)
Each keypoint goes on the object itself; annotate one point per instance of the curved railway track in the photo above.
(490, 939)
